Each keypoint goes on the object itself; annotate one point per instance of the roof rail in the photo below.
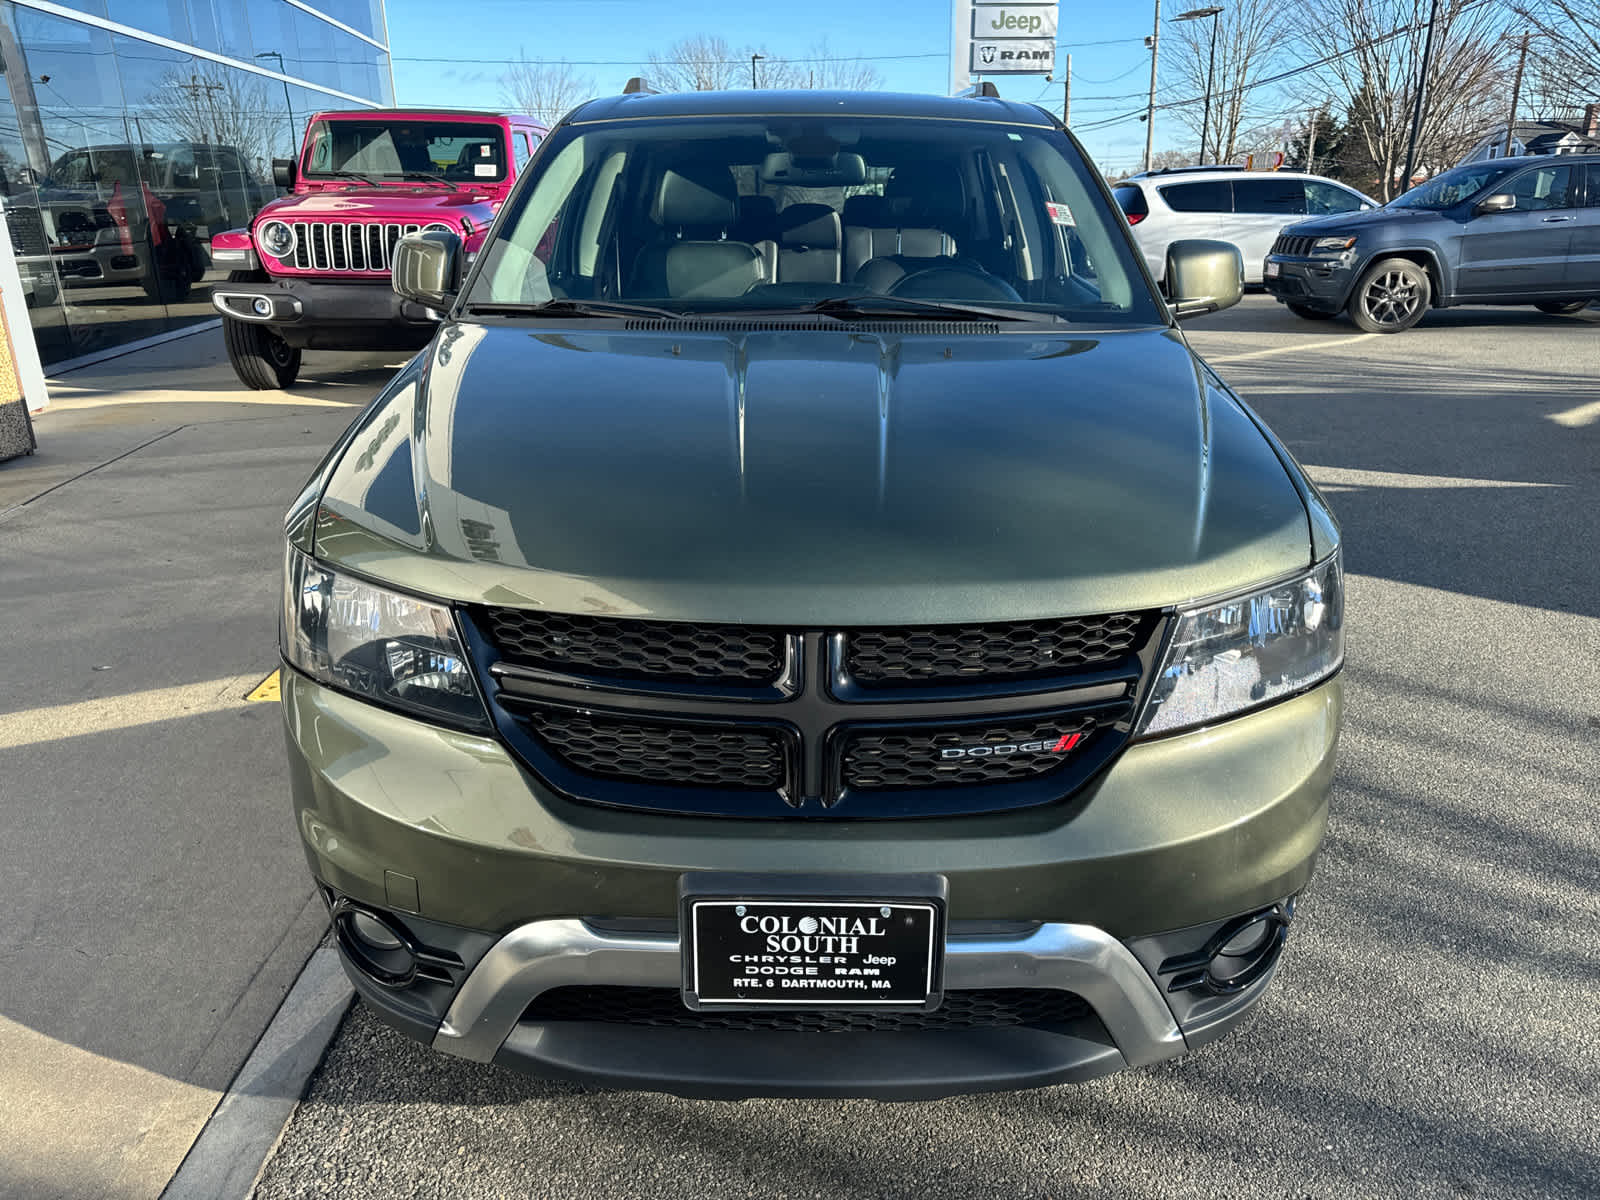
(639, 86)
(982, 90)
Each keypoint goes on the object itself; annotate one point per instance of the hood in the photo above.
(1354, 222)
(411, 204)
(811, 477)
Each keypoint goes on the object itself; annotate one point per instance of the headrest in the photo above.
(757, 220)
(925, 194)
(809, 225)
(871, 212)
(702, 197)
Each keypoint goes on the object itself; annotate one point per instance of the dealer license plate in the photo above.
(813, 953)
(1271, 270)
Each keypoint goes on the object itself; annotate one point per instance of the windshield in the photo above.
(1454, 186)
(450, 150)
(788, 213)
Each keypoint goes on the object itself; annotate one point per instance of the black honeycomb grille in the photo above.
(987, 1008)
(1293, 247)
(669, 651)
(659, 753)
(934, 654)
(1005, 753)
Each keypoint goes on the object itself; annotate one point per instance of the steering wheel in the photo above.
(953, 283)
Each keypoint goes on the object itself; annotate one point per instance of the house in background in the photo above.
(1542, 137)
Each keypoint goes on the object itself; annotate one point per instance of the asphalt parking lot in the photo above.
(1432, 1031)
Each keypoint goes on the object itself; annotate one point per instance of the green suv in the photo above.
(809, 624)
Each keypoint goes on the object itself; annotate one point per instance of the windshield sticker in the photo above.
(483, 168)
(1059, 213)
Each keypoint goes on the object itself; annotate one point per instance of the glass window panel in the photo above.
(1269, 195)
(221, 26)
(1209, 196)
(169, 18)
(1323, 198)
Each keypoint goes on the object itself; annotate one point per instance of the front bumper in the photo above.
(329, 316)
(1320, 283)
(522, 891)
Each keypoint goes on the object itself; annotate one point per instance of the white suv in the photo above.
(1230, 204)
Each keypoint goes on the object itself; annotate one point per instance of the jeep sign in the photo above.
(1014, 21)
(1018, 56)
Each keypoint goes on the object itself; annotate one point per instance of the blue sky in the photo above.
(453, 51)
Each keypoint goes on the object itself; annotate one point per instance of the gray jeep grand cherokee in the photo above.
(809, 624)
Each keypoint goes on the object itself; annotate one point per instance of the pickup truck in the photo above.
(312, 270)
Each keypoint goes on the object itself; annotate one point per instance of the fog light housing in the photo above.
(1237, 955)
(378, 947)
(261, 306)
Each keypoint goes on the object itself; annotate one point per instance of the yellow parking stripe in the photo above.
(267, 689)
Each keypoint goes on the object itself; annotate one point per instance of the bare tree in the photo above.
(819, 67)
(1376, 48)
(1564, 57)
(701, 63)
(546, 91)
(210, 104)
(1250, 37)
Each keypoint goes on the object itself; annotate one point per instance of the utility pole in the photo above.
(1516, 97)
(1150, 113)
(1422, 88)
(754, 59)
(1311, 144)
(1066, 96)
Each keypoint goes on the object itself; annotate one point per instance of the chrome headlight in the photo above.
(1241, 653)
(276, 238)
(378, 645)
(1333, 246)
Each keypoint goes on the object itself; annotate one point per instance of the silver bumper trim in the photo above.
(542, 955)
(239, 305)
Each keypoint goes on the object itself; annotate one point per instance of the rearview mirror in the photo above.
(1203, 276)
(845, 169)
(283, 172)
(427, 268)
(1499, 202)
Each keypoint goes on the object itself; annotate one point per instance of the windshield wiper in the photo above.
(347, 175)
(430, 177)
(873, 305)
(571, 308)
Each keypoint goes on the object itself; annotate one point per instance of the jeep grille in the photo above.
(346, 245)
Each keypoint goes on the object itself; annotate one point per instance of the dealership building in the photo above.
(131, 131)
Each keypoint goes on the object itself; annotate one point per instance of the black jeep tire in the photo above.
(1561, 308)
(1392, 295)
(261, 359)
(1310, 314)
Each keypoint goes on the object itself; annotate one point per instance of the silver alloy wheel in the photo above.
(1391, 298)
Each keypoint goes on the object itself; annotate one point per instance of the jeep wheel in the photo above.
(1391, 296)
(1310, 314)
(1561, 308)
(261, 359)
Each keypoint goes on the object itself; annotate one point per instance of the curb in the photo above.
(246, 1124)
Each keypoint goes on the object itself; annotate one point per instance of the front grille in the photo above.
(1293, 247)
(983, 1008)
(660, 753)
(668, 651)
(346, 245)
(993, 753)
(934, 654)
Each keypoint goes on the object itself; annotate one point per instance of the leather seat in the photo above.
(694, 258)
(913, 219)
(809, 244)
(757, 223)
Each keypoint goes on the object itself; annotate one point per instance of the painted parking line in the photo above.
(1324, 344)
(266, 690)
(1350, 478)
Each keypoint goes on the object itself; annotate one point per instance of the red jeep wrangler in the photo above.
(312, 271)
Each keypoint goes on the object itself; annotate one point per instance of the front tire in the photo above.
(1392, 296)
(1310, 314)
(261, 359)
(1561, 308)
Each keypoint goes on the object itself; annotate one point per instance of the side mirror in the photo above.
(1203, 276)
(427, 268)
(283, 172)
(1499, 202)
